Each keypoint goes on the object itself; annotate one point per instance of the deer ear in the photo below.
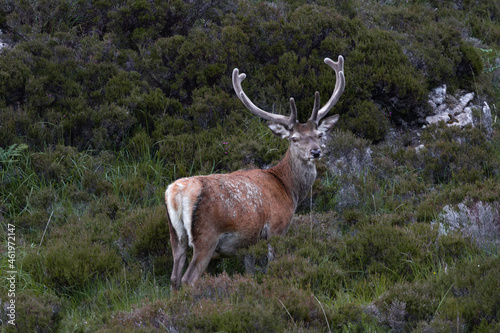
(279, 130)
(328, 123)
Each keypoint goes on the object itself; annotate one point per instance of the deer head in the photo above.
(304, 138)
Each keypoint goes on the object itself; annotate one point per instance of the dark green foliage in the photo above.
(464, 295)
(146, 238)
(76, 257)
(382, 72)
(71, 81)
(456, 154)
(36, 313)
(235, 304)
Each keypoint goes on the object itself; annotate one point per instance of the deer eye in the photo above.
(294, 139)
(320, 135)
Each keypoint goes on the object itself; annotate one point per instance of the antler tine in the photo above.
(338, 67)
(293, 112)
(314, 114)
(277, 118)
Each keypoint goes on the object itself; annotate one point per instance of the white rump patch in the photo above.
(180, 198)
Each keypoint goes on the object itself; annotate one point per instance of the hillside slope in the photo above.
(104, 103)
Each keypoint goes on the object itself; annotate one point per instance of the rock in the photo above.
(454, 112)
(486, 121)
(464, 100)
(442, 107)
(2, 44)
(463, 118)
(419, 148)
(438, 95)
(444, 116)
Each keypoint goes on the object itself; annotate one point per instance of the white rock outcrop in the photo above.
(458, 114)
(486, 120)
(2, 44)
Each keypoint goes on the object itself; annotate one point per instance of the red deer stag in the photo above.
(220, 213)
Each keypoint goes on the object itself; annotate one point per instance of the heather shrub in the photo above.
(420, 303)
(32, 223)
(449, 154)
(455, 154)
(139, 57)
(486, 191)
(395, 251)
(43, 199)
(459, 296)
(68, 267)
(398, 87)
(195, 310)
(94, 184)
(136, 190)
(234, 304)
(112, 125)
(14, 76)
(145, 237)
(488, 13)
(15, 124)
(475, 220)
(110, 206)
(324, 278)
(212, 107)
(431, 40)
(139, 145)
(75, 254)
(63, 163)
(349, 163)
(35, 312)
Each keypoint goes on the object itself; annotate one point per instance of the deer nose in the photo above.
(316, 153)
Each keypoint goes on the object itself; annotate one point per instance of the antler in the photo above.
(289, 122)
(314, 114)
(338, 67)
(277, 118)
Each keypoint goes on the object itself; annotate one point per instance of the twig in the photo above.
(41, 240)
(293, 321)
(311, 213)
(324, 314)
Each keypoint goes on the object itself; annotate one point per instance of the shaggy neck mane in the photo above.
(296, 176)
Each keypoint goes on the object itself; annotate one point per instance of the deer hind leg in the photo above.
(180, 198)
(202, 253)
(179, 251)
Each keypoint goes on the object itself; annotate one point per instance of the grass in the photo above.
(95, 304)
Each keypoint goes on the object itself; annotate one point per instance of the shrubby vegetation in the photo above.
(103, 103)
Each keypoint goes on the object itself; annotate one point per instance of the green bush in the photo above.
(146, 238)
(74, 255)
(382, 72)
(140, 58)
(36, 312)
(234, 304)
(393, 251)
(456, 154)
(461, 295)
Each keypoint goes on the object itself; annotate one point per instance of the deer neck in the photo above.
(296, 175)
